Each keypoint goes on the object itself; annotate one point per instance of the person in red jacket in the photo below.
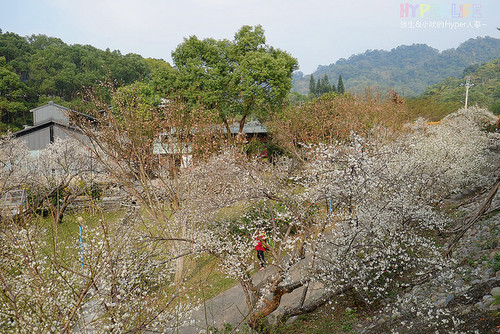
(260, 248)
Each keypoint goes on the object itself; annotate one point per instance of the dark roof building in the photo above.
(50, 121)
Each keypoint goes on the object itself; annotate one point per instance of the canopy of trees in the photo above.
(320, 87)
(237, 78)
(38, 68)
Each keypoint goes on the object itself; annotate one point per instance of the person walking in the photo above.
(260, 248)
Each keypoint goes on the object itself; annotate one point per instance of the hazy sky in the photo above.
(316, 32)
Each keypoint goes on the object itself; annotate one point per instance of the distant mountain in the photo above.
(409, 69)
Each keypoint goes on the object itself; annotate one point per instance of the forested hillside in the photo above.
(38, 68)
(448, 95)
(408, 69)
(485, 91)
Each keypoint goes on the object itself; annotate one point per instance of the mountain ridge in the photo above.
(408, 69)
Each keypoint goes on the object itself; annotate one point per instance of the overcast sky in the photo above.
(316, 32)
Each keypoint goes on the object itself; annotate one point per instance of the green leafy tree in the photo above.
(312, 86)
(340, 85)
(41, 42)
(326, 87)
(237, 78)
(162, 74)
(322, 86)
(13, 46)
(52, 72)
(332, 88)
(127, 69)
(49, 69)
(12, 91)
(295, 99)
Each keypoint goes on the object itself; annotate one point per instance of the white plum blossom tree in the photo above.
(380, 233)
(360, 216)
(119, 283)
(14, 163)
(14, 170)
(63, 172)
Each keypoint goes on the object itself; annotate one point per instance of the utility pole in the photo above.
(467, 86)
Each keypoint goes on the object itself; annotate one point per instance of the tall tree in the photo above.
(325, 85)
(312, 86)
(340, 85)
(237, 78)
(332, 87)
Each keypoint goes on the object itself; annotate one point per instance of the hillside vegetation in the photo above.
(485, 92)
(35, 69)
(408, 69)
(38, 68)
(448, 95)
(234, 78)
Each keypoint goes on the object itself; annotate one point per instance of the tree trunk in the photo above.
(242, 123)
(228, 129)
(258, 318)
(310, 307)
(179, 262)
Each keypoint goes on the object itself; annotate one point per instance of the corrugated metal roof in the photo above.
(252, 127)
(51, 103)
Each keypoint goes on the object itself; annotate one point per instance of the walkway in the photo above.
(230, 307)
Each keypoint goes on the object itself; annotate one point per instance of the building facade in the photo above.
(50, 121)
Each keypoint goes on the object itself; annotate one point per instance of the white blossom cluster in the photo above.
(365, 213)
(384, 201)
(116, 283)
(62, 170)
(63, 163)
(133, 282)
(34, 293)
(416, 310)
(14, 164)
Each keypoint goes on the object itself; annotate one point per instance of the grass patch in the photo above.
(206, 279)
(68, 231)
(341, 318)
